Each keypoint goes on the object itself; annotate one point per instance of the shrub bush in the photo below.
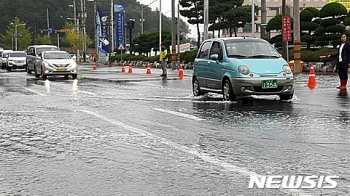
(311, 55)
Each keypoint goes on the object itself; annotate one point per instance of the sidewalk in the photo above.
(138, 74)
(136, 70)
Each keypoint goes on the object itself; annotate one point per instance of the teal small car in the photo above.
(238, 66)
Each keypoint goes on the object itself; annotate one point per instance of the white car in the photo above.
(4, 57)
(16, 60)
(55, 63)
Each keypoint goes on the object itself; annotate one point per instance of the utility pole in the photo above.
(84, 29)
(95, 27)
(206, 19)
(112, 25)
(173, 30)
(253, 19)
(178, 32)
(47, 21)
(76, 24)
(142, 19)
(297, 56)
(284, 44)
(263, 20)
(160, 25)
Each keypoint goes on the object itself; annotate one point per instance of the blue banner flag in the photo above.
(119, 12)
(102, 31)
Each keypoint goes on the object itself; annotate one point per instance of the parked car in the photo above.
(33, 55)
(1, 50)
(55, 63)
(16, 60)
(4, 56)
(239, 66)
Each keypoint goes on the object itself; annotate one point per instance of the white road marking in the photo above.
(74, 89)
(33, 91)
(204, 156)
(86, 92)
(179, 114)
(37, 111)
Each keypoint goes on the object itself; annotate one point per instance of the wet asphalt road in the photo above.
(109, 133)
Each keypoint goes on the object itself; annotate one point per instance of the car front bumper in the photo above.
(253, 86)
(17, 66)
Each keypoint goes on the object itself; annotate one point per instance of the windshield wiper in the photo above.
(237, 55)
(263, 56)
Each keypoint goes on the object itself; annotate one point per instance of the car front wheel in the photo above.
(227, 91)
(196, 88)
(27, 69)
(36, 72)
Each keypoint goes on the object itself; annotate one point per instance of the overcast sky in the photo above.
(166, 10)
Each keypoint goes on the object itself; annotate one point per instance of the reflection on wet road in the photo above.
(93, 137)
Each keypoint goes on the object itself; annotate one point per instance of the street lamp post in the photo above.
(16, 34)
(76, 24)
(95, 23)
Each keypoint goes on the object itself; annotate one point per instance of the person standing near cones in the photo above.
(343, 62)
(163, 59)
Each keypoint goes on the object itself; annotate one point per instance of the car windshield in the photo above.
(56, 55)
(17, 54)
(250, 49)
(40, 50)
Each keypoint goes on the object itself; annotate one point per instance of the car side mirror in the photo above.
(214, 57)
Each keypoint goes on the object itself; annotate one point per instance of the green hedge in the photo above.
(311, 55)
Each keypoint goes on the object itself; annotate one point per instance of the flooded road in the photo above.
(144, 135)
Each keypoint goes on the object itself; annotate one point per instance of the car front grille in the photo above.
(259, 89)
(60, 65)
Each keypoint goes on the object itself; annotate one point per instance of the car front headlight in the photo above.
(46, 64)
(243, 70)
(287, 69)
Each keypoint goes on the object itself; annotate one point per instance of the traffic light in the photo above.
(130, 24)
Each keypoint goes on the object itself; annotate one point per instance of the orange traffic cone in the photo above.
(130, 68)
(123, 68)
(148, 69)
(94, 67)
(312, 77)
(181, 72)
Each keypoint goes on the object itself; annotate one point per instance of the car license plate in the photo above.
(269, 84)
(61, 69)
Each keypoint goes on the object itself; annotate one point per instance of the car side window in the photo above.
(30, 51)
(216, 49)
(34, 52)
(203, 53)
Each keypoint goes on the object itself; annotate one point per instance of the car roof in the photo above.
(236, 38)
(17, 51)
(56, 51)
(42, 46)
(46, 46)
